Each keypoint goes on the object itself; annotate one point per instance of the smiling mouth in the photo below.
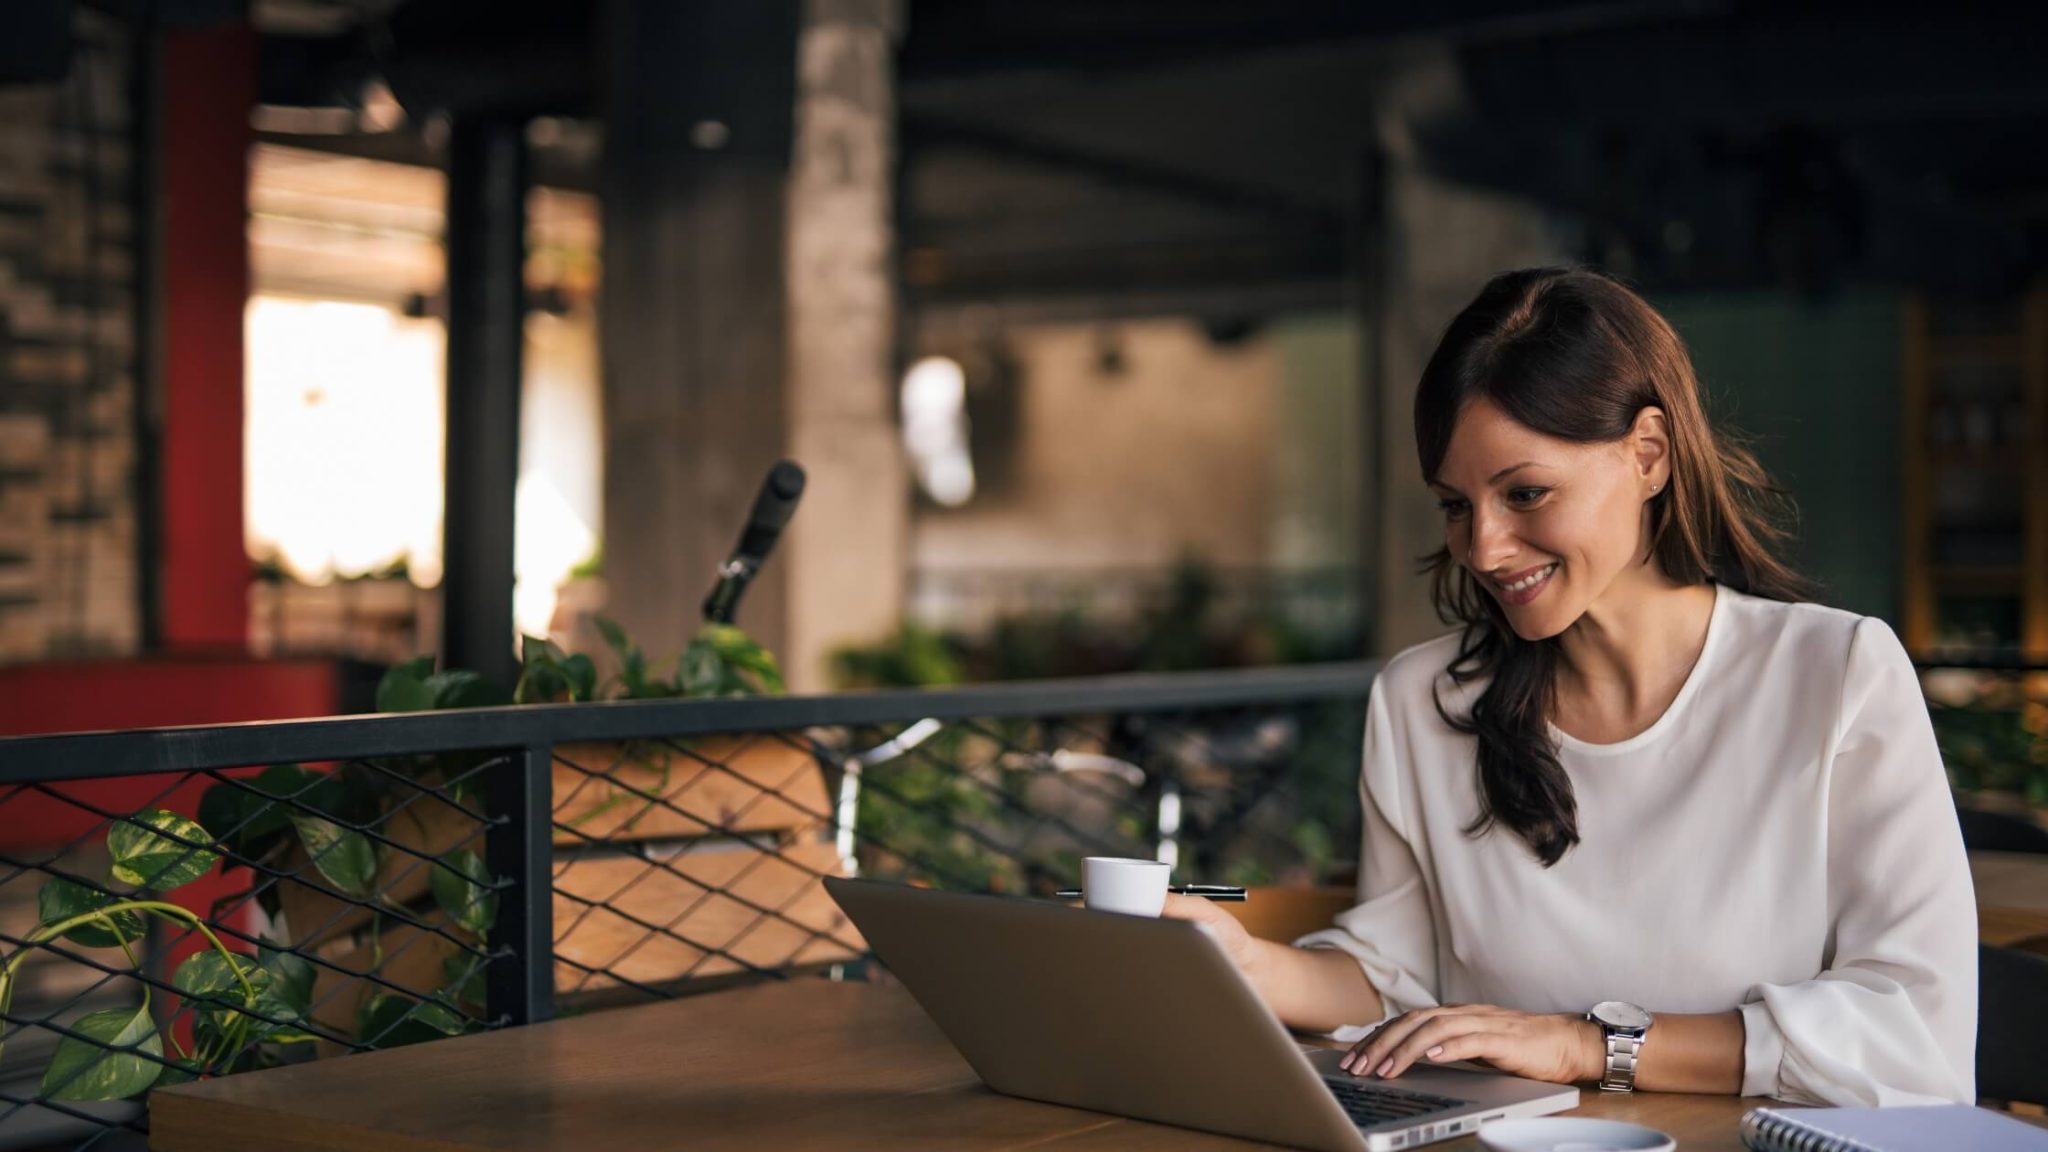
(1525, 589)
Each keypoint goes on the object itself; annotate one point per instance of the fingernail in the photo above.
(1436, 1052)
(1386, 1067)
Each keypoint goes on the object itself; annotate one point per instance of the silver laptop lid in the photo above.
(1120, 1014)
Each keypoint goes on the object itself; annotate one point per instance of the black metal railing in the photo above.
(190, 902)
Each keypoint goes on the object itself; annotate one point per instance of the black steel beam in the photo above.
(486, 314)
(923, 132)
(190, 749)
(145, 206)
(519, 982)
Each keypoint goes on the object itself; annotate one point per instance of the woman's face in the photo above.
(1548, 527)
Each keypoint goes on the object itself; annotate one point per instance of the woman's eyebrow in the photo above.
(1496, 478)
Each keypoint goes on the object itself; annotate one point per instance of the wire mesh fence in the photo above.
(677, 862)
(229, 899)
(186, 924)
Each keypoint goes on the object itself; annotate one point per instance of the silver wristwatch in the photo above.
(1626, 1027)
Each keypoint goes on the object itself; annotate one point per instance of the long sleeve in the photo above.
(1892, 1018)
(1390, 931)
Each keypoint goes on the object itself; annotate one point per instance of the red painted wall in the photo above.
(87, 697)
(210, 89)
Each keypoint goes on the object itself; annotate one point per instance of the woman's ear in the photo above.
(1650, 446)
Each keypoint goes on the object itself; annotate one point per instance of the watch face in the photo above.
(1616, 1014)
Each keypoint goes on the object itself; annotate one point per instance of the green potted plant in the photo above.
(245, 1007)
(337, 886)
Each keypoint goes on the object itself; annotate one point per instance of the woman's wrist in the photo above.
(1592, 1047)
(1256, 960)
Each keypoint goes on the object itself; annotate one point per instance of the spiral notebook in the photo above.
(1939, 1128)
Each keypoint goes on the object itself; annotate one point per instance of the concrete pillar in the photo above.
(749, 314)
(696, 159)
(845, 552)
(1442, 242)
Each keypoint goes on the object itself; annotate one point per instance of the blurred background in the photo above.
(335, 332)
(338, 334)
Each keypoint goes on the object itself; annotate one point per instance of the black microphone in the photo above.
(772, 510)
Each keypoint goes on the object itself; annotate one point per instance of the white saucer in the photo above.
(1568, 1134)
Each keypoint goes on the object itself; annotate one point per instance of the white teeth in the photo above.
(1531, 580)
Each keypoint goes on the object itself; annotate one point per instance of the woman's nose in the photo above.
(1492, 545)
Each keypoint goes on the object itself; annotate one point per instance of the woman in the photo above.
(1644, 777)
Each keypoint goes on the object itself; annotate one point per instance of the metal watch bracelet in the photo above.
(1622, 1050)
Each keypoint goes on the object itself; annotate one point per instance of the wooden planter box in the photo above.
(723, 784)
(738, 816)
(623, 920)
(676, 844)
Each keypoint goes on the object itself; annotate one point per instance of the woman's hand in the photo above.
(1237, 943)
(1559, 1047)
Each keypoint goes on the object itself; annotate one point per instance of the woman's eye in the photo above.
(1452, 509)
(1526, 496)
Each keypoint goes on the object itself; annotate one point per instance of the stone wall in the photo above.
(68, 540)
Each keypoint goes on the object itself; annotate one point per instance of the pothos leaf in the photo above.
(389, 1021)
(345, 857)
(160, 850)
(462, 887)
(403, 687)
(62, 899)
(112, 1062)
(291, 977)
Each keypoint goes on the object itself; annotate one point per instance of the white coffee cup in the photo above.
(1117, 884)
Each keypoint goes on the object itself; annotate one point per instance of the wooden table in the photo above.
(808, 1064)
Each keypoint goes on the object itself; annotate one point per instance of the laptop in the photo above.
(1149, 1019)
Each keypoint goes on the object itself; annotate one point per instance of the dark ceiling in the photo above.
(1209, 154)
(1691, 145)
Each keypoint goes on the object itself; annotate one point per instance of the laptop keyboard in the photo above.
(1377, 1105)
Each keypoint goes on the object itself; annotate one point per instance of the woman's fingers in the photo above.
(1355, 1061)
(1371, 1052)
(1402, 1041)
(1432, 1042)
(1524, 1044)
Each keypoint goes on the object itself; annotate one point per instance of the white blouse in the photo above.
(1781, 841)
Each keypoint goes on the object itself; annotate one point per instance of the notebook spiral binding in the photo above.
(1765, 1131)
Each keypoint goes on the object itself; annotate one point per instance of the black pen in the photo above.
(1209, 891)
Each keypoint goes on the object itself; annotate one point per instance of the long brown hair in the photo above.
(1574, 355)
